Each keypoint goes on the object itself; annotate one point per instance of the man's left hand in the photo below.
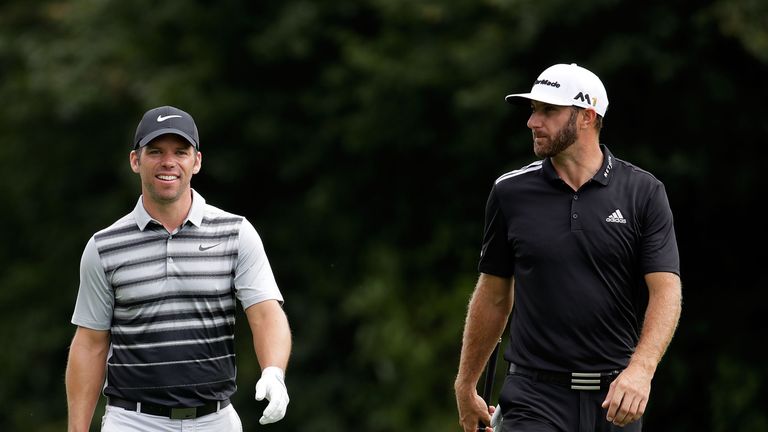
(627, 396)
(272, 386)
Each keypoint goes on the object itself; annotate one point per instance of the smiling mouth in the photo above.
(167, 177)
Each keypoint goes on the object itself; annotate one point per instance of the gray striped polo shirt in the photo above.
(169, 301)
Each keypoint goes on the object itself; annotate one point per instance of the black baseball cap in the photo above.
(164, 120)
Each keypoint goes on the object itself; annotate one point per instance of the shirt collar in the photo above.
(549, 171)
(602, 176)
(195, 215)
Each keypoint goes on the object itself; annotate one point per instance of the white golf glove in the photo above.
(272, 386)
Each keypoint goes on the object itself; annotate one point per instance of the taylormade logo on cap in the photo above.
(568, 85)
(164, 120)
(547, 82)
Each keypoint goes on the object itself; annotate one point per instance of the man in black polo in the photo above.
(583, 245)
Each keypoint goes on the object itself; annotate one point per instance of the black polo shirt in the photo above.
(578, 259)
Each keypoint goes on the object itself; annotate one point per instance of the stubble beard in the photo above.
(164, 195)
(167, 196)
(564, 139)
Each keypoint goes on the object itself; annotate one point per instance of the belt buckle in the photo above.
(183, 413)
(585, 381)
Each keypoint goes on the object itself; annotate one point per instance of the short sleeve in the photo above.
(659, 251)
(254, 281)
(496, 258)
(95, 297)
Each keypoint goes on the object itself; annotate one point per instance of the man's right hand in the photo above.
(472, 410)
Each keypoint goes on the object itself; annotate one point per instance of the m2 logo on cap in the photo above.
(585, 98)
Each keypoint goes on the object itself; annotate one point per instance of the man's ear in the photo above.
(590, 117)
(134, 160)
(198, 162)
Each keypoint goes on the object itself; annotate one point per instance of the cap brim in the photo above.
(144, 141)
(540, 98)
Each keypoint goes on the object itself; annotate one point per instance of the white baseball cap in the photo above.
(568, 85)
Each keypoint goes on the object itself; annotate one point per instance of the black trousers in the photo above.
(533, 406)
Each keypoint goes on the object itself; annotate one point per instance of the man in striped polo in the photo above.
(155, 311)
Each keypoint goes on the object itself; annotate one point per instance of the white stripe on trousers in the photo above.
(121, 420)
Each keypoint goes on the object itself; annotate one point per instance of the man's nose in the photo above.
(168, 160)
(533, 121)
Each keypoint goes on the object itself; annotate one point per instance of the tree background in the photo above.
(361, 139)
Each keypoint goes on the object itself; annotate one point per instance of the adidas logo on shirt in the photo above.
(616, 217)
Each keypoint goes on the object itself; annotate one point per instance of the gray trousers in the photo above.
(120, 420)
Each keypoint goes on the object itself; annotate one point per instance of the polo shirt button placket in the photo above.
(575, 223)
(168, 252)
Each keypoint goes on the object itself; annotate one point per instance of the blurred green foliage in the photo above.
(361, 139)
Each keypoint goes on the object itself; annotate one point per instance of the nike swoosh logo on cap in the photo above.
(161, 118)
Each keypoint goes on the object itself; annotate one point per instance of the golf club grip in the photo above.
(490, 373)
